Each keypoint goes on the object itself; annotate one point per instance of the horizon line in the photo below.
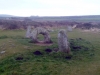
(45, 16)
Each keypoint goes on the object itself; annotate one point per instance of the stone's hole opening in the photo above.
(40, 37)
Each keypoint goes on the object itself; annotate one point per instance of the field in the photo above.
(19, 58)
(88, 18)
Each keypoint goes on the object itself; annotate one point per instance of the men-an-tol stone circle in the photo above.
(63, 42)
(44, 32)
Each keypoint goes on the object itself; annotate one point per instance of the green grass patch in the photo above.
(26, 58)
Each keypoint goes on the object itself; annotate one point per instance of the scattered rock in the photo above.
(2, 52)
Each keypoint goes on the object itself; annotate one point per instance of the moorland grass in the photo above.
(19, 58)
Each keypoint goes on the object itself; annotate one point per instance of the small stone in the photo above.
(2, 52)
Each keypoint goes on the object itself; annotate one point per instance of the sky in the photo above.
(50, 7)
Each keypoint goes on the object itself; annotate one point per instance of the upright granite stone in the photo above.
(44, 32)
(28, 32)
(69, 28)
(63, 41)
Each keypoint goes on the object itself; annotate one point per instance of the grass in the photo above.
(19, 58)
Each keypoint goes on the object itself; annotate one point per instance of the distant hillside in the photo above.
(88, 18)
(5, 15)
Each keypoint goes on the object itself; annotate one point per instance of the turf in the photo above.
(24, 58)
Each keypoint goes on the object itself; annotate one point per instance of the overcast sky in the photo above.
(50, 7)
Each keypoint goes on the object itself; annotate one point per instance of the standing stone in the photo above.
(28, 33)
(63, 41)
(69, 28)
(34, 35)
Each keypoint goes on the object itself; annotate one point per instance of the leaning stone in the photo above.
(28, 33)
(63, 42)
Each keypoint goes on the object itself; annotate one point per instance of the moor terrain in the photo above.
(18, 56)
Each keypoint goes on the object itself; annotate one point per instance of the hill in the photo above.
(88, 18)
(6, 15)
